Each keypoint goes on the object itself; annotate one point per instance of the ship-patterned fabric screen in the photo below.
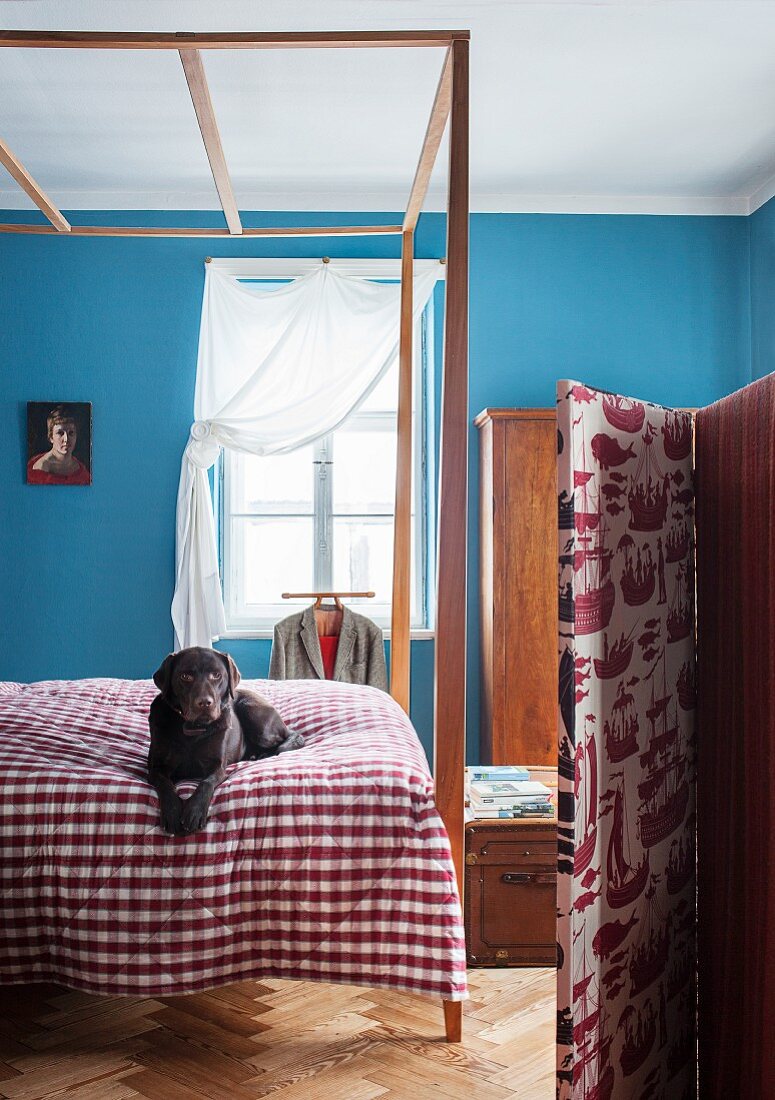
(626, 848)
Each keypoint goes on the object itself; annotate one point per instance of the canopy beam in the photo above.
(176, 231)
(191, 61)
(34, 190)
(436, 125)
(182, 40)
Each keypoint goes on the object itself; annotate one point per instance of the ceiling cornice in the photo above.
(762, 194)
(501, 203)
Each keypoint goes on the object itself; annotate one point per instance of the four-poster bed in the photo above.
(450, 104)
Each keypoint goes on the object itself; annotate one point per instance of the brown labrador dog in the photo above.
(201, 723)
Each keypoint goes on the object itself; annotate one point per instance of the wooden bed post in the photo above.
(402, 529)
(450, 673)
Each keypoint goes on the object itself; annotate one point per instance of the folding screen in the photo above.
(626, 859)
(735, 457)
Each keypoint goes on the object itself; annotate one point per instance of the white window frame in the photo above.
(240, 625)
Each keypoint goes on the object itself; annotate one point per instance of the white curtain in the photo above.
(276, 370)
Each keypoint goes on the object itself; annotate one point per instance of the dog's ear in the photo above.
(232, 672)
(163, 674)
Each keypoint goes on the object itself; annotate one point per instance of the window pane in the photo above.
(363, 556)
(276, 484)
(275, 556)
(364, 471)
(269, 511)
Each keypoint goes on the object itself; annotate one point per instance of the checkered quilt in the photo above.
(329, 863)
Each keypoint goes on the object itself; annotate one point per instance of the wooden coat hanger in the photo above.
(328, 620)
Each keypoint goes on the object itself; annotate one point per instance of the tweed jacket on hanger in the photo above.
(360, 655)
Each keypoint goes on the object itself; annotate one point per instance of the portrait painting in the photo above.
(58, 443)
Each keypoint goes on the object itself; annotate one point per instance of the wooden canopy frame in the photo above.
(450, 104)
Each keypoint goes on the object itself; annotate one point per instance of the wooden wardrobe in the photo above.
(518, 571)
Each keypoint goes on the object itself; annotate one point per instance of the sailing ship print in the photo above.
(649, 494)
(621, 729)
(686, 690)
(593, 590)
(593, 1074)
(623, 413)
(664, 790)
(638, 579)
(625, 883)
(585, 789)
(682, 859)
(640, 1031)
(677, 543)
(679, 616)
(649, 956)
(615, 661)
(677, 435)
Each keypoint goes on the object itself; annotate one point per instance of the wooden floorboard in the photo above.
(289, 1040)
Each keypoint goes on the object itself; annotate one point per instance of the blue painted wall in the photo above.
(762, 242)
(654, 306)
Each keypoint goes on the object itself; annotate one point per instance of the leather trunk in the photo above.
(511, 893)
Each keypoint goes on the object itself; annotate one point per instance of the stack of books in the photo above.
(503, 791)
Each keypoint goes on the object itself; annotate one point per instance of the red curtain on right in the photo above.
(735, 485)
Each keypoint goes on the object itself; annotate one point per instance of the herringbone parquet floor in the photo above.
(294, 1039)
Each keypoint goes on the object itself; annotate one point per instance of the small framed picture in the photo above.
(58, 443)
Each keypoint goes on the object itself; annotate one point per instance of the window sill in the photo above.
(417, 635)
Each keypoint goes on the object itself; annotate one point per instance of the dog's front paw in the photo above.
(193, 816)
(170, 816)
(293, 741)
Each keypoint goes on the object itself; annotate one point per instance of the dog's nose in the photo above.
(205, 702)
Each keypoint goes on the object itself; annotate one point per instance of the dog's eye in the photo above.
(215, 675)
(186, 677)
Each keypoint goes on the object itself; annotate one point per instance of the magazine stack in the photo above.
(503, 792)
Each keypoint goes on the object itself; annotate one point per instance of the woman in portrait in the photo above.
(59, 466)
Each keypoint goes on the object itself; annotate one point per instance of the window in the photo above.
(321, 517)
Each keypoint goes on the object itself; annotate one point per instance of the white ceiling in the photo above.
(611, 106)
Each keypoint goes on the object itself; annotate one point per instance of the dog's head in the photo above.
(197, 683)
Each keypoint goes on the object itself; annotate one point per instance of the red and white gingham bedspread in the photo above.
(330, 863)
